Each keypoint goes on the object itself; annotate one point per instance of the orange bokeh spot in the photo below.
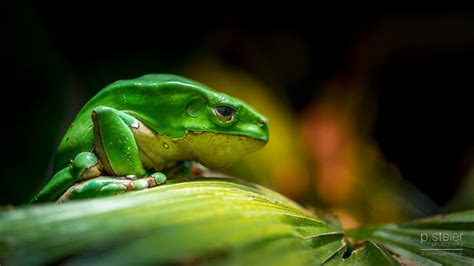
(330, 144)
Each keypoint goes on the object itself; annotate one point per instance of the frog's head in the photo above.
(210, 127)
(221, 129)
(220, 113)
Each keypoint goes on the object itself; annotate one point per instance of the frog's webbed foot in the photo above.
(107, 186)
(84, 166)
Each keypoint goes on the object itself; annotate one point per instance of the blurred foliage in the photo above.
(464, 198)
(351, 176)
(282, 157)
(217, 222)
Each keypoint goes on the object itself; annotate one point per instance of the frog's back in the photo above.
(121, 95)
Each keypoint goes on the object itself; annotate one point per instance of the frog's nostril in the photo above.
(261, 122)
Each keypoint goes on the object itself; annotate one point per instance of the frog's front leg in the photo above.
(114, 142)
(115, 154)
(116, 148)
(106, 186)
(84, 166)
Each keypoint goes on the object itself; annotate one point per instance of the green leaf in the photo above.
(212, 220)
(440, 240)
(218, 222)
(367, 253)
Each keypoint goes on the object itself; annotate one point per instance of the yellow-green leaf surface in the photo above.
(218, 222)
(215, 221)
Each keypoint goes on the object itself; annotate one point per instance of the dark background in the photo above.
(420, 66)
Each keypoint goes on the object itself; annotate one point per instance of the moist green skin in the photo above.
(102, 138)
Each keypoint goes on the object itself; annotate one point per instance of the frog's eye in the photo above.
(224, 113)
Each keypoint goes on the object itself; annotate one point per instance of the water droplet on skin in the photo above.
(166, 146)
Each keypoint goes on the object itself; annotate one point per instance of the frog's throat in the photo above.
(213, 150)
(218, 150)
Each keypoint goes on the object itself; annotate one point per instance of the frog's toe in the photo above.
(112, 189)
(86, 165)
(159, 178)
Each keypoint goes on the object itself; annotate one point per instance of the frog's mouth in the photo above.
(218, 150)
